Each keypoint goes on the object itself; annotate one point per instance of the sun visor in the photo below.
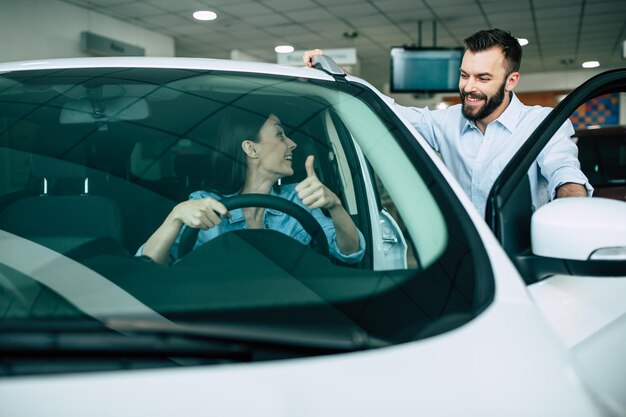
(109, 110)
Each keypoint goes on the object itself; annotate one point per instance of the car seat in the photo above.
(65, 215)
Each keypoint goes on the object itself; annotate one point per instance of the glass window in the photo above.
(94, 160)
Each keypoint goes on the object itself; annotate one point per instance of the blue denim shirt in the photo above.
(274, 220)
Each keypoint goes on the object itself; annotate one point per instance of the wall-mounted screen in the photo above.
(425, 70)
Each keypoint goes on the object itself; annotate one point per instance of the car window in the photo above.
(602, 155)
(94, 159)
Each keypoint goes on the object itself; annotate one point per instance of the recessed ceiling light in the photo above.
(204, 15)
(591, 64)
(284, 49)
(522, 41)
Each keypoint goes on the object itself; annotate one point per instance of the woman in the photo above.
(251, 154)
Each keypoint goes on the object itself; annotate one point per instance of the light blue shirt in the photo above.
(274, 220)
(476, 160)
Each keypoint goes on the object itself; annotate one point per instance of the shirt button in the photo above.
(266, 226)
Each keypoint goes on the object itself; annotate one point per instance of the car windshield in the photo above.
(93, 160)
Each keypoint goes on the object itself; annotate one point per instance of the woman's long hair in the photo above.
(228, 165)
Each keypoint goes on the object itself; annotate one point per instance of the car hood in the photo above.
(487, 367)
(481, 368)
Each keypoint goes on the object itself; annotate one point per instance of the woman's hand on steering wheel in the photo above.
(203, 213)
(306, 219)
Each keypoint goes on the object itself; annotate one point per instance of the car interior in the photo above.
(93, 177)
(602, 155)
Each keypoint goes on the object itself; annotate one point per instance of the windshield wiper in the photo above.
(105, 343)
(340, 338)
(147, 338)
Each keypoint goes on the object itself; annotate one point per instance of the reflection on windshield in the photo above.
(99, 161)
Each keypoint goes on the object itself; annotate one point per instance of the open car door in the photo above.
(572, 254)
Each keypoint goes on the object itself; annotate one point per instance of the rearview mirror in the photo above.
(101, 110)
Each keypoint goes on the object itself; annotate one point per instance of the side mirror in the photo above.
(581, 229)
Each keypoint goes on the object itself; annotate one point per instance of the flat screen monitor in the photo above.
(425, 70)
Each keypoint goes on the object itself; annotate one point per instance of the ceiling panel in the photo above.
(563, 29)
(605, 7)
(135, 9)
(246, 9)
(288, 5)
(348, 10)
(309, 15)
(177, 5)
(398, 5)
(168, 20)
(325, 3)
(506, 8)
(454, 13)
(547, 4)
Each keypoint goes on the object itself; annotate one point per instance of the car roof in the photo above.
(166, 62)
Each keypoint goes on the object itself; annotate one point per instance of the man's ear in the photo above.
(512, 80)
(249, 148)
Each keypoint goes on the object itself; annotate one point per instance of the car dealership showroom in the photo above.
(312, 208)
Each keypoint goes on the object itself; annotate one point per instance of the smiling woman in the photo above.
(251, 153)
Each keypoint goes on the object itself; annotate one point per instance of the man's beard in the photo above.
(489, 107)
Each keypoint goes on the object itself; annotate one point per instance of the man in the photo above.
(477, 138)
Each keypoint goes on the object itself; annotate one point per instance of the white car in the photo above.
(441, 317)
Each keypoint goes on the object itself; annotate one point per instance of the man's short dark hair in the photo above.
(487, 39)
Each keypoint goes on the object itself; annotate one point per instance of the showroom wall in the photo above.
(32, 29)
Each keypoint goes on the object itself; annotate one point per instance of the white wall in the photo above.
(32, 29)
(555, 81)
(238, 55)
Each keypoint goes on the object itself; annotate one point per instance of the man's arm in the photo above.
(571, 189)
(559, 164)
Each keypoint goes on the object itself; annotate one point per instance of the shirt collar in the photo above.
(508, 118)
(511, 114)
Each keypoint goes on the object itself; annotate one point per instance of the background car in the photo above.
(436, 319)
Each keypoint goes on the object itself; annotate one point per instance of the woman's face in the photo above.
(275, 149)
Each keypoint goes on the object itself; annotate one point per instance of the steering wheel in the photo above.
(306, 220)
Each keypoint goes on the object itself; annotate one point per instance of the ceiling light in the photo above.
(591, 64)
(204, 15)
(284, 49)
(522, 41)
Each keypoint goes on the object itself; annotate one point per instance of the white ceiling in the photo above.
(562, 33)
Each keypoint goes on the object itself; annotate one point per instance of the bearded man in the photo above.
(477, 138)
